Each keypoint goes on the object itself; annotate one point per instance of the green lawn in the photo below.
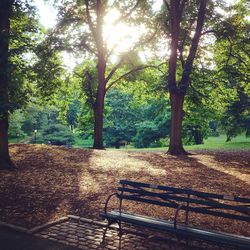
(80, 143)
(17, 139)
(240, 142)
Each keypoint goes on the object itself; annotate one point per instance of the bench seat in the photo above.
(238, 241)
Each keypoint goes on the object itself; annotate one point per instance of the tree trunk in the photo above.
(177, 114)
(178, 90)
(197, 136)
(5, 11)
(101, 69)
(99, 106)
(5, 162)
(98, 126)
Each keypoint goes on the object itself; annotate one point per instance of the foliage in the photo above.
(36, 117)
(203, 105)
(236, 118)
(146, 134)
(121, 118)
(49, 73)
(155, 124)
(25, 34)
(16, 121)
(55, 134)
(233, 60)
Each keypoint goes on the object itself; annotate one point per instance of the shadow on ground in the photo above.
(13, 240)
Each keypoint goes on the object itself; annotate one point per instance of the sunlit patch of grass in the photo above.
(240, 142)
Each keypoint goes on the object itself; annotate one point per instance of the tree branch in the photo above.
(181, 7)
(128, 14)
(138, 68)
(89, 20)
(167, 5)
(111, 73)
(198, 92)
(192, 52)
(175, 32)
(209, 31)
(87, 47)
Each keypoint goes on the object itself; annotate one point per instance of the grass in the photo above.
(17, 139)
(80, 143)
(238, 143)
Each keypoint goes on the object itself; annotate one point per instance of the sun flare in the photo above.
(120, 36)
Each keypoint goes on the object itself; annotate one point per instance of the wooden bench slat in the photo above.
(188, 208)
(211, 204)
(167, 226)
(186, 191)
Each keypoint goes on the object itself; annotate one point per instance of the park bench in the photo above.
(180, 199)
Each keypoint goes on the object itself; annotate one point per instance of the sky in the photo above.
(48, 14)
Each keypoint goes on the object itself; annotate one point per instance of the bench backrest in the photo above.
(186, 199)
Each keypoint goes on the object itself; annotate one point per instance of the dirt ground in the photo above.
(52, 181)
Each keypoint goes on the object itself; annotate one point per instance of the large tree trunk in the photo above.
(5, 11)
(99, 104)
(98, 126)
(5, 162)
(177, 114)
(101, 69)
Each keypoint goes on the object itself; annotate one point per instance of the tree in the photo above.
(81, 30)
(5, 14)
(121, 118)
(181, 23)
(16, 121)
(203, 104)
(155, 123)
(15, 39)
(236, 118)
(233, 62)
(55, 134)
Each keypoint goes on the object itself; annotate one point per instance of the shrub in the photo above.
(55, 134)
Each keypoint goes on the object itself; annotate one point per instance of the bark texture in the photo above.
(177, 114)
(5, 13)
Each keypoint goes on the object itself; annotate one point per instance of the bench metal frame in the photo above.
(225, 206)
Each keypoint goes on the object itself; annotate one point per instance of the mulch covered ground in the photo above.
(52, 182)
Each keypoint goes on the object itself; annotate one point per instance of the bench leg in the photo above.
(105, 230)
(120, 229)
(110, 222)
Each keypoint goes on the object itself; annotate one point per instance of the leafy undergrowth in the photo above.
(52, 181)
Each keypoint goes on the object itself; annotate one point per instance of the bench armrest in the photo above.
(107, 201)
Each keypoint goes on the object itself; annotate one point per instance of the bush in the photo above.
(155, 144)
(147, 133)
(55, 134)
